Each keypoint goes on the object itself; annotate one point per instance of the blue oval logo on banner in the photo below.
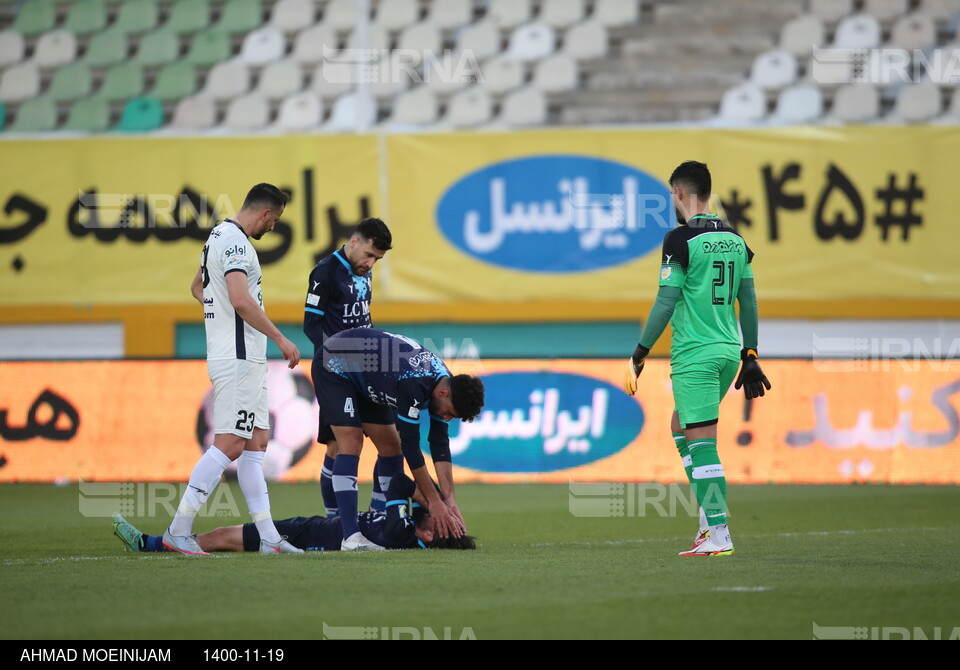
(556, 213)
(545, 421)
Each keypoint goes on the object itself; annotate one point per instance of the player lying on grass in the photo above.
(403, 525)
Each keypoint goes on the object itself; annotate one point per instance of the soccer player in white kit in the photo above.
(228, 285)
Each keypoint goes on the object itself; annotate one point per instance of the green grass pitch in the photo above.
(842, 556)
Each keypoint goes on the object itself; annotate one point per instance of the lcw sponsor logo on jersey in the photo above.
(556, 213)
(545, 421)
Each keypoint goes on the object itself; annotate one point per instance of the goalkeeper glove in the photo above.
(751, 377)
(634, 368)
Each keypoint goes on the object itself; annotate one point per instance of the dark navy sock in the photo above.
(326, 487)
(345, 485)
(152, 543)
(378, 499)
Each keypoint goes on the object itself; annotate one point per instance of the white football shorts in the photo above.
(239, 397)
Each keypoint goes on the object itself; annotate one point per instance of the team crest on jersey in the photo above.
(665, 272)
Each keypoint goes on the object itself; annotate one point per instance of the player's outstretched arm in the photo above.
(251, 312)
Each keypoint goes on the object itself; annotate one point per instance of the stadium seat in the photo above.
(532, 41)
(615, 13)
(175, 81)
(774, 69)
(916, 103)
(831, 11)
(799, 104)
(227, 80)
(56, 48)
(141, 115)
(418, 107)
(914, 31)
(248, 112)
(240, 16)
(86, 17)
(830, 68)
(397, 14)
(311, 45)
(262, 46)
(556, 73)
(352, 111)
(209, 47)
(509, 13)
(289, 16)
(885, 10)
(860, 31)
(422, 38)
(939, 10)
(856, 103)
(280, 79)
(481, 39)
(561, 13)
(300, 111)
(158, 48)
(136, 17)
(122, 81)
(88, 115)
(188, 16)
(36, 115)
(70, 82)
(800, 35)
(341, 15)
(390, 82)
(19, 82)
(743, 103)
(3, 116)
(469, 108)
(35, 17)
(586, 40)
(106, 48)
(502, 74)
(450, 14)
(194, 113)
(12, 48)
(377, 38)
(525, 107)
(330, 80)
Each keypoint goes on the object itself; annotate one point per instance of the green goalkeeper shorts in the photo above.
(699, 384)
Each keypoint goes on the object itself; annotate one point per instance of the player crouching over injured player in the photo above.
(403, 525)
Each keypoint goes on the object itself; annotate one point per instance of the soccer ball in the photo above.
(293, 420)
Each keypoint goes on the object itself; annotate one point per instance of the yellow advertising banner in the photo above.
(824, 422)
(123, 220)
(831, 213)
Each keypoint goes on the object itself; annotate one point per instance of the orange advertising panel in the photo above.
(544, 421)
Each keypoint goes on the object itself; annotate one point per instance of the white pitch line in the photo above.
(742, 589)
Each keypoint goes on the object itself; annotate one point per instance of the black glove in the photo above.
(634, 368)
(751, 377)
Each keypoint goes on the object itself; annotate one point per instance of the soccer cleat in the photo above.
(281, 547)
(701, 538)
(129, 535)
(183, 544)
(708, 548)
(357, 542)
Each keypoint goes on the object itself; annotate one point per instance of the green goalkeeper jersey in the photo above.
(706, 260)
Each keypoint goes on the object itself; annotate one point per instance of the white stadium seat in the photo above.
(800, 35)
(501, 74)
(292, 15)
(418, 107)
(341, 15)
(397, 14)
(280, 79)
(377, 38)
(615, 13)
(914, 31)
(331, 80)
(860, 31)
(194, 113)
(469, 108)
(885, 10)
(774, 69)
(300, 111)
(56, 48)
(556, 73)
(421, 37)
(19, 82)
(532, 41)
(525, 107)
(248, 112)
(352, 111)
(482, 39)
(799, 104)
(743, 103)
(561, 13)
(831, 11)
(262, 46)
(509, 13)
(312, 44)
(450, 14)
(227, 80)
(856, 103)
(586, 40)
(939, 10)
(916, 103)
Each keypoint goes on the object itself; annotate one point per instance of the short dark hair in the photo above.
(694, 176)
(466, 393)
(265, 196)
(465, 542)
(376, 231)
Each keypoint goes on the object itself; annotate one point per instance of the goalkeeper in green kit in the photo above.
(706, 266)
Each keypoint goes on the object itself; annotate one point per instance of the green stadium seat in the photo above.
(241, 16)
(35, 115)
(71, 82)
(86, 17)
(35, 17)
(3, 115)
(158, 48)
(174, 82)
(106, 48)
(137, 17)
(188, 16)
(209, 48)
(89, 114)
(122, 81)
(141, 115)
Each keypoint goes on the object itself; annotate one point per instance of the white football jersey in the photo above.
(228, 336)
